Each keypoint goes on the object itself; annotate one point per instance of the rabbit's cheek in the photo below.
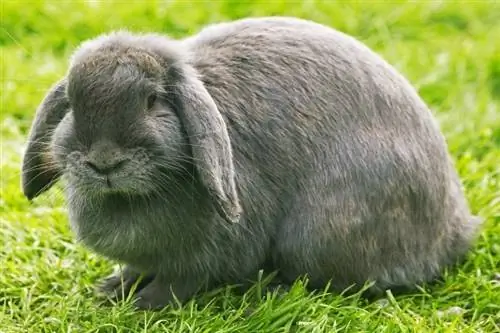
(75, 170)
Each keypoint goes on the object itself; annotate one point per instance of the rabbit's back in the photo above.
(293, 82)
(335, 150)
(302, 100)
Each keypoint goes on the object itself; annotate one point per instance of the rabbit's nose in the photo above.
(105, 157)
(105, 167)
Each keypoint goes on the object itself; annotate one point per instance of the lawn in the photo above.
(449, 50)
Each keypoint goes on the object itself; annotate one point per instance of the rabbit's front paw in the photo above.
(159, 293)
(119, 284)
(153, 298)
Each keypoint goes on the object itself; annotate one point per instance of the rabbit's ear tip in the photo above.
(32, 193)
(233, 214)
(33, 185)
(229, 211)
(29, 192)
(232, 219)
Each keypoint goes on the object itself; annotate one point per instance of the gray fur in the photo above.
(39, 171)
(327, 158)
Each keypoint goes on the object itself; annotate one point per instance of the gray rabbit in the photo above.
(269, 143)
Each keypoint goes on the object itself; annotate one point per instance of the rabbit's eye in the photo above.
(151, 101)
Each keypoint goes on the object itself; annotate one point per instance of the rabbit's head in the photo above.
(129, 114)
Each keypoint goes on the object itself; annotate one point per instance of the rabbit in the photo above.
(263, 143)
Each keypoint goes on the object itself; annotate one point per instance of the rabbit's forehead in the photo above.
(109, 78)
(106, 64)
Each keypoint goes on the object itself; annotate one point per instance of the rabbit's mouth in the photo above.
(127, 176)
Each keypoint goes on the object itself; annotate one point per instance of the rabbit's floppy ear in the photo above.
(210, 143)
(39, 171)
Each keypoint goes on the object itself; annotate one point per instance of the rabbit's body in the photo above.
(339, 167)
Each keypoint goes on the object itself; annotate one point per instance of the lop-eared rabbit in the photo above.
(269, 143)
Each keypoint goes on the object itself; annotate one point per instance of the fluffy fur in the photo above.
(322, 157)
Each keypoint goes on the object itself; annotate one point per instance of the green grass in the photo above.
(449, 50)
